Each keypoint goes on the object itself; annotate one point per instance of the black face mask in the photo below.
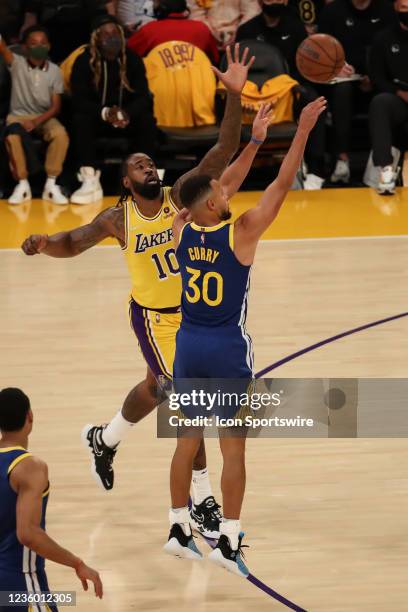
(403, 18)
(111, 45)
(274, 10)
(150, 191)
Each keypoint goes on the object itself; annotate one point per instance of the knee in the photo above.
(58, 134)
(381, 102)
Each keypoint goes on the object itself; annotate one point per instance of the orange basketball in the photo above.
(320, 58)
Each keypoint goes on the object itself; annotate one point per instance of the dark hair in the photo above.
(194, 189)
(14, 407)
(166, 7)
(31, 30)
(124, 191)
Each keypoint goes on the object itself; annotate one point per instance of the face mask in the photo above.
(39, 52)
(111, 45)
(274, 10)
(403, 17)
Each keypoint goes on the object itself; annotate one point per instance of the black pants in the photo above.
(344, 99)
(387, 113)
(141, 134)
(316, 144)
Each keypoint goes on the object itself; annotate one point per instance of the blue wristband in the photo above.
(256, 141)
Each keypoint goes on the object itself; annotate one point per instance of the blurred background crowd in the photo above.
(83, 82)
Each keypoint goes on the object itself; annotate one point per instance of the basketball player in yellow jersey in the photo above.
(142, 225)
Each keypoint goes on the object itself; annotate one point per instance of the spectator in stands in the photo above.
(279, 26)
(68, 21)
(173, 23)
(11, 16)
(354, 23)
(35, 102)
(388, 70)
(110, 95)
(224, 17)
(133, 14)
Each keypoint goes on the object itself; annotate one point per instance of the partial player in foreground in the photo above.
(215, 259)
(24, 490)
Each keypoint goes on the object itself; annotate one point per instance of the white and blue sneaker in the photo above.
(224, 556)
(181, 545)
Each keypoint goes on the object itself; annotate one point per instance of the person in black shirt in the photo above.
(281, 27)
(388, 113)
(110, 96)
(354, 23)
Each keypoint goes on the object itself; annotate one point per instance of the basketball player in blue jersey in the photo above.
(24, 490)
(215, 259)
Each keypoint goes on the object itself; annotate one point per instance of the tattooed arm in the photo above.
(218, 158)
(109, 222)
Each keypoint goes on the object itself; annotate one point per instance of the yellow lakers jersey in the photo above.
(182, 83)
(150, 255)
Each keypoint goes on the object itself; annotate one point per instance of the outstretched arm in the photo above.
(109, 222)
(218, 158)
(29, 479)
(250, 226)
(233, 177)
(5, 52)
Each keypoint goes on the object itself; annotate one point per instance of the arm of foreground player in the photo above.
(29, 479)
(255, 221)
(233, 177)
(109, 222)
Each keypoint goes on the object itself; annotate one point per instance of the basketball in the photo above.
(320, 58)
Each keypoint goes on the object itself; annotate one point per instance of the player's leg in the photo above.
(228, 552)
(180, 542)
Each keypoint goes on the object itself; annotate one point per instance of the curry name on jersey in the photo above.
(215, 284)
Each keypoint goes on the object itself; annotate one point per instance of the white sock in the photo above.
(201, 485)
(116, 430)
(50, 181)
(231, 528)
(182, 517)
(24, 183)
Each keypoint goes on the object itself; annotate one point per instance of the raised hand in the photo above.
(34, 244)
(234, 78)
(261, 122)
(311, 113)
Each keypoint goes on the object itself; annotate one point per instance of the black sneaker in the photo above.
(224, 556)
(181, 545)
(102, 455)
(206, 517)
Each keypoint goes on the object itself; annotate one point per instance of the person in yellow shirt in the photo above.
(142, 222)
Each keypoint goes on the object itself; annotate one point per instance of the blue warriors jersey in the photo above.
(14, 557)
(215, 284)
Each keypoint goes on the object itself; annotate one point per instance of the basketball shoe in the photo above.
(182, 545)
(225, 556)
(206, 517)
(102, 455)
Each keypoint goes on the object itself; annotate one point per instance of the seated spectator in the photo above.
(132, 14)
(223, 17)
(173, 23)
(278, 25)
(35, 102)
(68, 22)
(110, 95)
(354, 23)
(388, 113)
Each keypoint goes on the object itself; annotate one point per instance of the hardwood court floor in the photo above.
(325, 519)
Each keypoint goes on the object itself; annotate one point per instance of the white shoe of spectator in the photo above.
(52, 193)
(388, 178)
(312, 182)
(21, 193)
(341, 172)
(91, 189)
